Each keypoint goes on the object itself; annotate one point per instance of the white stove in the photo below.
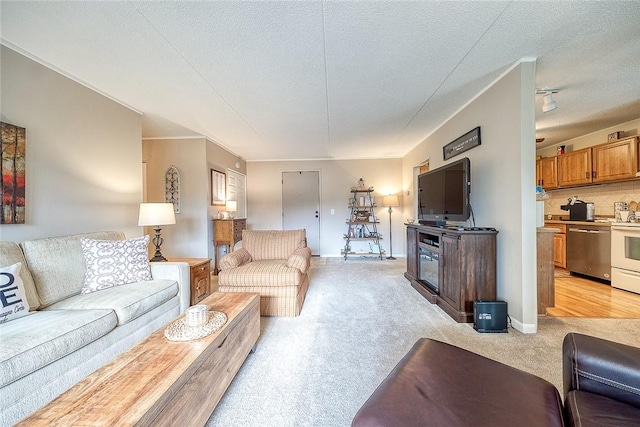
(625, 256)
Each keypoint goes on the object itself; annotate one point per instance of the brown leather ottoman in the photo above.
(437, 384)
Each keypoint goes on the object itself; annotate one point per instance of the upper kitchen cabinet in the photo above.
(575, 168)
(616, 160)
(547, 172)
(608, 162)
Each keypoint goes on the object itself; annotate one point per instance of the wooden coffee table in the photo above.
(159, 382)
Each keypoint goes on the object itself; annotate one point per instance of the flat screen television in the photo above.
(443, 193)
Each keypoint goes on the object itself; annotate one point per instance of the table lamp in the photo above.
(154, 215)
(390, 201)
(232, 207)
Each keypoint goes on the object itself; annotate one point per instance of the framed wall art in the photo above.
(218, 188)
(172, 187)
(12, 174)
(461, 144)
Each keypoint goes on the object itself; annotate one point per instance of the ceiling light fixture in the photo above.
(548, 104)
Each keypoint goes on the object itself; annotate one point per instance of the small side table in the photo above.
(226, 232)
(200, 277)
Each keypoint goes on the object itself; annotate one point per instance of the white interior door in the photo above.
(301, 205)
(237, 190)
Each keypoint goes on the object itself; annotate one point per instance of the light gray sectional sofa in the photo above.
(71, 334)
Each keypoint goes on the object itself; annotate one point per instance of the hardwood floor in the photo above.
(580, 297)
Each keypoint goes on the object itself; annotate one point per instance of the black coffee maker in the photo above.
(579, 210)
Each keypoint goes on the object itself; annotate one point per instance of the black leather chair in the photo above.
(601, 382)
(437, 384)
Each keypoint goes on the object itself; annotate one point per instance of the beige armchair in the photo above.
(273, 263)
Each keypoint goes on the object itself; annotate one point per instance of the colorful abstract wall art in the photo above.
(12, 174)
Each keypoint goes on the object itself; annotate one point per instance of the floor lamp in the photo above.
(155, 215)
(391, 201)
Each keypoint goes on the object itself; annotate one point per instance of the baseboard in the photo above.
(524, 328)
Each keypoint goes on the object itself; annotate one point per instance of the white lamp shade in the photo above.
(232, 205)
(153, 214)
(390, 200)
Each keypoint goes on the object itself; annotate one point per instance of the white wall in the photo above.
(192, 235)
(187, 155)
(221, 160)
(264, 184)
(503, 181)
(83, 153)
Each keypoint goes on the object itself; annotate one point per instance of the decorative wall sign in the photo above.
(172, 187)
(218, 188)
(460, 145)
(12, 174)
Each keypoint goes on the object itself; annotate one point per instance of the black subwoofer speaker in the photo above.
(490, 316)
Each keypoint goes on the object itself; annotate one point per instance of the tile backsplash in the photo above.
(603, 196)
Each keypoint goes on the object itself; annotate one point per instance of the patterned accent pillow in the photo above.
(13, 297)
(114, 262)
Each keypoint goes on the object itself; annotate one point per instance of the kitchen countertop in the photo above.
(546, 229)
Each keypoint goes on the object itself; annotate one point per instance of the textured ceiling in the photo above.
(334, 79)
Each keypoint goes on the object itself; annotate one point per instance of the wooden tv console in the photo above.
(462, 262)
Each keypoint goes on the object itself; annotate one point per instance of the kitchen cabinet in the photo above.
(609, 162)
(547, 172)
(575, 168)
(560, 250)
(560, 246)
(616, 160)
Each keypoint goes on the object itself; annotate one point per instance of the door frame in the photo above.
(320, 222)
(244, 201)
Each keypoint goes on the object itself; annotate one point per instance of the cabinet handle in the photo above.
(586, 174)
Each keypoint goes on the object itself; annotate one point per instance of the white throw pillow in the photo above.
(114, 262)
(13, 297)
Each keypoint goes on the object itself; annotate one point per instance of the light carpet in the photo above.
(360, 317)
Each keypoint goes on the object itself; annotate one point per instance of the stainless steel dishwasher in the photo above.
(589, 250)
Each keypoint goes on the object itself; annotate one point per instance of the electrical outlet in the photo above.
(333, 211)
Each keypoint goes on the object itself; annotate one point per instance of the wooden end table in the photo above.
(200, 277)
(160, 382)
(226, 232)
